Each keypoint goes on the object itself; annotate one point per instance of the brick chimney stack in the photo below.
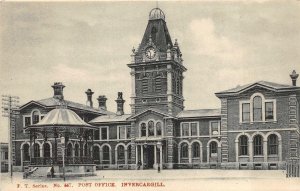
(89, 101)
(120, 104)
(58, 90)
(294, 77)
(102, 102)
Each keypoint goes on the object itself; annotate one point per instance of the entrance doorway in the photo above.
(150, 156)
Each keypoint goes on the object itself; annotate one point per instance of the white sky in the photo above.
(88, 45)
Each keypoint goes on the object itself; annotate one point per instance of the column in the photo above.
(265, 150)
(142, 154)
(21, 158)
(219, 154)
(126, 156)
(179, 148)
(280, 150)
(41, 151)
(101, 155)
(251, 150)
(136, 154)
(207, 153)
(237, 151)
(160, 158)
(190, 154)
(155, 159)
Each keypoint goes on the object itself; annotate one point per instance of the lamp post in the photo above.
(62, 139)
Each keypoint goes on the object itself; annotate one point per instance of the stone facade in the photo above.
(256, 127)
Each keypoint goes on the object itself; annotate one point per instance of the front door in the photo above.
(150, 156)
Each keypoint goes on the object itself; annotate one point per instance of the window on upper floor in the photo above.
(123, 132)
(27, 121)
(214, 128)
(104, 133)
(257, 109)
(35, 117)
(97, 134)
(189, 129)
(6, 155)
(246, 112)
(151, 128)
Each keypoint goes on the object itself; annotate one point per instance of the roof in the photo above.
(157, 111)
(272, 85)
(199, 113)
(110, 118)
(52, 102)
(61, 117)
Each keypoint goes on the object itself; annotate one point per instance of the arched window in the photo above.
(196, 150)
(36, 149)
(121, 154)
(76, 150)
(96, 154)
(213, 149)
(69, 150)
(26, 152)
(258, 145)
(158, 128)
(46, 150)
(257, 108)
(243, 147)
(106, 156)
(150, 128)
(143, 130)
(272, 145)
(35, 117)
(184, 150)
(85, 150)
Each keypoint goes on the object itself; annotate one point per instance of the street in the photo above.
(204, 180)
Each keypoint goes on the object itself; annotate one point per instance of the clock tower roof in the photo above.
(156, 30)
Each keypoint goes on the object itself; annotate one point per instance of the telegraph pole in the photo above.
(10, 109)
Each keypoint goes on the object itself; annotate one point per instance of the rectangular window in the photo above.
(128, 132)
(269, 111)
(104, 133)
(96, 134)
(185, 129)
(246, 112)
(27, 121)
(194, 129)
(6, 156)
(122, 132)
(214, 125)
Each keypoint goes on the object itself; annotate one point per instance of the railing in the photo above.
(59, 160)
(293, 168)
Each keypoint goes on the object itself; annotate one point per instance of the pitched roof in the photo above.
(272, 85)
(52, 102)
(110, 118)
(151, 110)
(199, 113)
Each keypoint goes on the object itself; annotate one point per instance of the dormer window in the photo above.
(257, 109)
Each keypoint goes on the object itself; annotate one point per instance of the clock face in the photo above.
(150, 52)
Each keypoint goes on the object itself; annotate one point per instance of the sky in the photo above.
(88, 45)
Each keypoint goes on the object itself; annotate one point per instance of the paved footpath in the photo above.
(173, 180)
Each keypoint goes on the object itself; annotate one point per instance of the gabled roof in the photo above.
(53, 102)
(268, 85)
(110, 118)
(200, 113)
(157, 111)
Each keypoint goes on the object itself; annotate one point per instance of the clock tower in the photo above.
(157, 69)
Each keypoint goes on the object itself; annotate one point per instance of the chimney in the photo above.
(102, 102)
(89, 101)
(294, 77)
(120, 104)
(58, 90)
